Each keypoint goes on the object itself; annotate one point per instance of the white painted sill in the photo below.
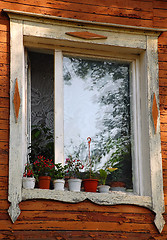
(111, 198)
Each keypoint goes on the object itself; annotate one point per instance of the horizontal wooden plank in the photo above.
(76, 235)
(4, 46)
(4, 24)
(4, 123)
(4, 135)
(86, 216)
(4, 103)
(136, 5)
(3, 194)
(4, 113)
(3, 171)
(163, 91)
(75, 225)
(160, 22)
(163, 82)
(163, 127)
(163, 73)
(4, 36)
(130, 19)
(4, 57)
(160, 12)
(4, 70)
(163, 65)
(4, 215)
(4, 151)
(4, 205)
(163, 102)
(162, 50)
(4, 146)
(84, 206)
(89, 6)
(163, 136)
(4, 158)
(162, 57)
(159, 4)
(7, 235)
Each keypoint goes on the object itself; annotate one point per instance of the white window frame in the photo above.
(139, 46)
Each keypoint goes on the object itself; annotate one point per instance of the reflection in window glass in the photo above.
(42, 105)
(97, 105)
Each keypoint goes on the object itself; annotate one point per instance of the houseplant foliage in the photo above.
(28, 177)
(42, 143)
(74, 166)
(44, 169)
(120, 158)
(103, 173)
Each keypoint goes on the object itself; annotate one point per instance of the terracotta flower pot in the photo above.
(118, 186)
(44, 182)
(90, 185)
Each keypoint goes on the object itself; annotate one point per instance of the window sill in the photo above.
(111, 198)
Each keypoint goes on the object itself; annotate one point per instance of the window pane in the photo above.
(97, 105)
(42, 103)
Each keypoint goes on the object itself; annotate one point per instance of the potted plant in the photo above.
(117, 183)
(44, 169)
(58, 177)
(73, 167)
(90, 184)
(103, 173)
(120, 158)
(103, 176)
(28, 177)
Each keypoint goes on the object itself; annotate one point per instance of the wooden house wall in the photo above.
(44, 219)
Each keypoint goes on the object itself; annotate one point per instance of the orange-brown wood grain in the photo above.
(3, 171)
(83, 206)
(4, 205)
(75, 235)
(4, 70)
(75, 225)
(3, 192)
(86, 216)
(70, 10)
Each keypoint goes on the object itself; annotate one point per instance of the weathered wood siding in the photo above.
(56, 220)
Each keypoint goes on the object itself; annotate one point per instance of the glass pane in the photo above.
(97, 105)
(42, 104)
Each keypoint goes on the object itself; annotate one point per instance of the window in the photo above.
(96, 103)
(137, 50)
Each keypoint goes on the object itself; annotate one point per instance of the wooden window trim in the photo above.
(25, 30)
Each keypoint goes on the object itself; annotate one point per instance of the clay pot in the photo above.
(44, 182)
(90, 185)
(118, 186)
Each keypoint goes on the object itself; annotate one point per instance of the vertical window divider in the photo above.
(58, 107)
